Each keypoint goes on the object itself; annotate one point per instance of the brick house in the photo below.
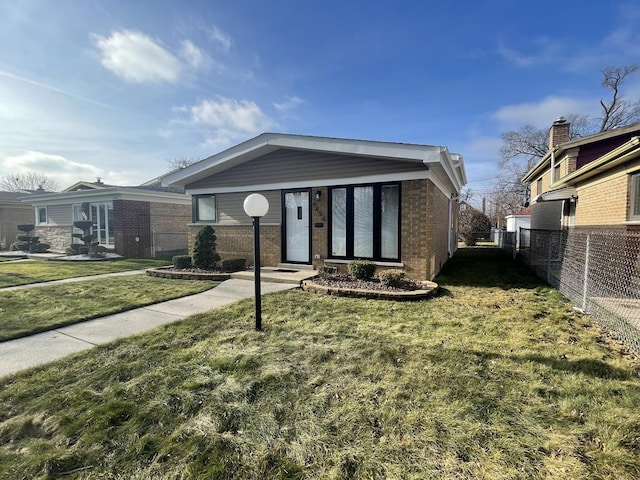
(588, 183)
(331, 200)
(135, 222)
(13, 212)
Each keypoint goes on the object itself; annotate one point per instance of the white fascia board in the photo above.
(108, 195)
(396, 177)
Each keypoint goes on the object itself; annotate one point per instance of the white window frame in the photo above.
(46, 216)
(634, 197)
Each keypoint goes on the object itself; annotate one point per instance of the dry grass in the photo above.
(497, 378)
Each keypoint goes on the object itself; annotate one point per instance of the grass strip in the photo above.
(36, 271)
(497, 378)
(25, 312)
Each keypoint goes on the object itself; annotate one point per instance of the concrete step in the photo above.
(277, 275)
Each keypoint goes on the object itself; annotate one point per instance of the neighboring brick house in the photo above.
(13, 212)
(135, 222)
(331, 200)
(588, 183)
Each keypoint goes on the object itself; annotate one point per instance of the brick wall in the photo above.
(236, 241)
(169, 217)
(604, 200)
(132, 220)
(440, 232)
(319, 234)
(416, 216)
(10, 217)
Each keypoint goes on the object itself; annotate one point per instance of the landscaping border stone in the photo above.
(429, 289)
(168, 272)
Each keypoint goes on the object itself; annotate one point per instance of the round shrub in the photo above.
(392, 278)
(181, 262)
(361, 269)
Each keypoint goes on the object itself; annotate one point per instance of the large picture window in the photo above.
(365, 222)
(204, 208)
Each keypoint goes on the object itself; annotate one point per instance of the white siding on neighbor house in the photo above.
(547, 215)
(59, 215)
(230, 208)
(292, 165)
(515, 222)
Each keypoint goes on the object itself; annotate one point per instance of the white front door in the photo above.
(296, 217)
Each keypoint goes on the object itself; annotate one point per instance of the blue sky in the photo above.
(114, 89)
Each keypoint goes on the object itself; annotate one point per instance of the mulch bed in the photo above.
(346, 281)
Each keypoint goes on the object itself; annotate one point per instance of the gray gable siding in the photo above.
(59, 215)
(231, 211)
(293, 165)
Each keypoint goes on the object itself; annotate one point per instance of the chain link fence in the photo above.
(599, 271)
(168, 244)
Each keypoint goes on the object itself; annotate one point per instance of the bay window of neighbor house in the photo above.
(204, 208)
(365, 222)
(634, 199)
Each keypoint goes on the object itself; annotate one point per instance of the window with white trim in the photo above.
(41, 215)
(204, 208)
(634, 198)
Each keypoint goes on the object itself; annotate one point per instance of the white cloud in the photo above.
(195, 56)
(544, 51)
(291, 103)
(223, 121)
(542, 114)
(221, 38)
(65, 172)
(136, 58)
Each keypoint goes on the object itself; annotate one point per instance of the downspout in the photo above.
(450, 226)
(553, 166)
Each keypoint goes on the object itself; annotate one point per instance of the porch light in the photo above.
(256, 206)
(318, 193)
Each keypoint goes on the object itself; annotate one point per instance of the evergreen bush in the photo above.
(234, 265)
(204, 253)
(361, 269)
(392, 278)
(181, 262)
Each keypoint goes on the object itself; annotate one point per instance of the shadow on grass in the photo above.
(486, 267)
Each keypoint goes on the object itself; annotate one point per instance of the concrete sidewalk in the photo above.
(23, 353)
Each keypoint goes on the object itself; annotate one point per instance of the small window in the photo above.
(634, 198)
(41, 215)
(539, 186)
(556, 172)
(204, 208)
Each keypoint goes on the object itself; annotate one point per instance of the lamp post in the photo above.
(256, 206)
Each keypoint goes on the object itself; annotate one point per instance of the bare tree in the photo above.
(522, 148)
(14, 182)
(618, 110)
(181, 162)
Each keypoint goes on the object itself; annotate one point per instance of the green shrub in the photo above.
(361, 269)
(96, 250)
(204, 253)
(38, 247)
(181, 261)
(234, 264)
(19, 247)
(326, 270)
(392, 278)
(83, 250)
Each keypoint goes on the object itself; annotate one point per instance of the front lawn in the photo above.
(25, 312)
(496, 378)
(36, 271)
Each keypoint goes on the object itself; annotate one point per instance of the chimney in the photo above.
(559, 132)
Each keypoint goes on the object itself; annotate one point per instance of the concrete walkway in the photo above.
(71, 280)
(23, 353)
